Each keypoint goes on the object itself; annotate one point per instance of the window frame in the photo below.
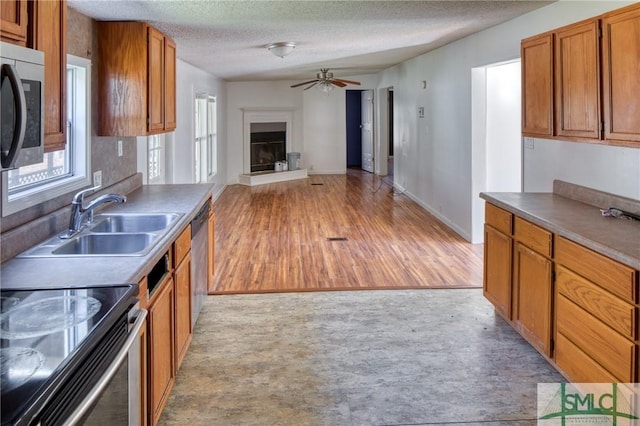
(79, 158)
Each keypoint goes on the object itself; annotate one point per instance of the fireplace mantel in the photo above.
(263, 115)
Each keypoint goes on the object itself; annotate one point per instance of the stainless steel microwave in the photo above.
(21, 106)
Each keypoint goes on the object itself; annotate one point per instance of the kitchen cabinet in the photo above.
(497, 259)
(211, 251)
(532, 285)
(579, 81)
(621, 85)
(596, 315)
(13, 21)
(136, 80)
(537, 86)
(182, 278)
(161, 347)
(48, 33)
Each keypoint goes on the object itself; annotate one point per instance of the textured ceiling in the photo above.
(228, 38)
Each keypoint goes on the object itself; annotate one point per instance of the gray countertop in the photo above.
(618, 239)
(94, 271)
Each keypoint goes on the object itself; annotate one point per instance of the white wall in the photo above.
(319, 121)
(180, 146)
(433, 155)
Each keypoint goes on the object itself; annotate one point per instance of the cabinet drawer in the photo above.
(578, 365)
(608, 348)
(617, 314)
(607, 273)
(498, 218)
(182, 246)
(533, 236)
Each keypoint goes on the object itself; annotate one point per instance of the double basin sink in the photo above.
(121, 234)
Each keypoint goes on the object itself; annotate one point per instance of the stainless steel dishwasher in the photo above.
(199, 250)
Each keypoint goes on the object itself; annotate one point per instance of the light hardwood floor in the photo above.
(282, 237)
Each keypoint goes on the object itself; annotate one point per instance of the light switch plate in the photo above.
(97, 178)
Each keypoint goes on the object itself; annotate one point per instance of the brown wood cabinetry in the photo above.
(182, 278)
(577, 79)
(211, 251)
(596, 315)
(161, 348)
(579, 82)
(577, 307)
(497, 259)
(13, 21)
(537, 86)
(532, 275)
(136, 80)
(621, 85)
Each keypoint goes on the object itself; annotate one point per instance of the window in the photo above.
(205, 158)
(155, 159)
(62, 171)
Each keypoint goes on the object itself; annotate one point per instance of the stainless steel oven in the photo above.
(71, 356)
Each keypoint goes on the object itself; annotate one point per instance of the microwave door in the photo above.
(13, 115)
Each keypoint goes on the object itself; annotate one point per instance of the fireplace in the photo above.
(267, 144)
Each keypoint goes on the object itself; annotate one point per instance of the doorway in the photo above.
(359, 119)
(496, 135)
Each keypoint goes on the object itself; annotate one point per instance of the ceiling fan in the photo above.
(325, 81)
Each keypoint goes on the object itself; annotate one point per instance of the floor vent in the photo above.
(317, 183)
(336, 239)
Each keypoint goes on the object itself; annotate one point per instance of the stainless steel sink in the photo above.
(133, 222)
(110, 234)
(105, 244)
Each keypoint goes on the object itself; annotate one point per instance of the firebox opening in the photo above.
(268, 145)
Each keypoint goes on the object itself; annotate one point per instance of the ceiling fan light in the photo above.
(325, 86)
(281, 49)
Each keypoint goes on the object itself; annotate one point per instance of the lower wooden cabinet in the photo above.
(183, 330)
(532, 291)
(577, 307)
(211, 251)
(161, 349)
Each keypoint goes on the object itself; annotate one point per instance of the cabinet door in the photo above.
(161, 350)
(211, 252)
(532, 309)
(49, 24)
(155, 69)
(13, 21)
(621, 84)
(183, 309)
(169, 85)
(537, 86)
(497, 270)
(577, 80)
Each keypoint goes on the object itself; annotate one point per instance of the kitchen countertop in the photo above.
(582, 223)
(19, 273)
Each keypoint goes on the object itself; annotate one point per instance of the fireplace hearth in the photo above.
(267, 144)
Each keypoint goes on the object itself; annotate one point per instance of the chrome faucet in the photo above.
(78, 212)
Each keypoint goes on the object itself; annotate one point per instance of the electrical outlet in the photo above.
(119, 148)
(97, 178)
(528, 143)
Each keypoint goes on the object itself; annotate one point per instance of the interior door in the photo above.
(366, 127)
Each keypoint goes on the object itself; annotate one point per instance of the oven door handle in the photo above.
(111, 371)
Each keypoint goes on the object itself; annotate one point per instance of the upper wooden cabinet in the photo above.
(580, 82)
(48, 33)
(537, 86)
(621, 81)
(136, 75)
(577, 78)
(13, 21)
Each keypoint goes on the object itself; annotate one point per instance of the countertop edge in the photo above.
(558, 229)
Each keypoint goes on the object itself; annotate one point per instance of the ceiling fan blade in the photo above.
(306, 82)
(337, 83)
(309, 87)
(347, 81)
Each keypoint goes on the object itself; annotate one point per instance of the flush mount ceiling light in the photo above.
(282, 48)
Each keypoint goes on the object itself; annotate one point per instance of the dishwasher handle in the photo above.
(200, 219)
